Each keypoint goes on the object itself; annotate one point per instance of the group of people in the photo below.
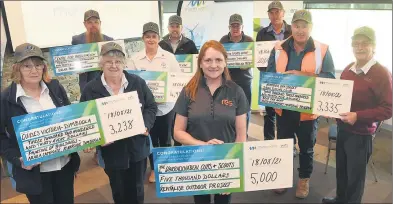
(199, 116)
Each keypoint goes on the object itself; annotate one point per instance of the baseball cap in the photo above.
(111, 46)
(150, 26)
(303, 15)
(175, 19)
(275, 5)
(91, 13)
(27, 50)
(235, 18)
(366, 31)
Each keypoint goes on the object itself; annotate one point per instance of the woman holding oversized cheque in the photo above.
(124, 161)
(211, 109)
(154, 58)
(31, 91)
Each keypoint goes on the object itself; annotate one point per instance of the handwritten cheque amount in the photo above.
(212, 169)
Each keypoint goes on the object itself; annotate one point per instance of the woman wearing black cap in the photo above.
(31, 91)
(124, 161)
(154, 58)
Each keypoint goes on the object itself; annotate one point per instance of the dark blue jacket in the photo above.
(26, 181)
(119, 154)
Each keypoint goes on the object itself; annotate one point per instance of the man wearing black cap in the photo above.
(241, 76)
(278, 29)
(93, 34)
(175, 42)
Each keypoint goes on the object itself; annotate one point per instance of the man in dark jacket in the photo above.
(175, 42)
(279, 30)
(93, 34)
(241, 76)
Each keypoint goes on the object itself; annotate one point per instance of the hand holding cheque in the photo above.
(297, 91)
(60, 131)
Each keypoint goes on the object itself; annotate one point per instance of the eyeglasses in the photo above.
(362, 44)
(29, 67)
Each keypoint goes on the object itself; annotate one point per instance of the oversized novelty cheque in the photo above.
(60, 131)
(316, 95)
(224, 168)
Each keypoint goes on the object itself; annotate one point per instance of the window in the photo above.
(335, 27)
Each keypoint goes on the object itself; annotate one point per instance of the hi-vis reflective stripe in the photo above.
(318, 57)
(276, 55)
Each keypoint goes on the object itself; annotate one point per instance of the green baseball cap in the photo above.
(366, 31)
(91, 13)
(275, 5)
(27, 50)
(303, 15)
(150, 26)
(235, 18)
(175, 19)
(111, 46)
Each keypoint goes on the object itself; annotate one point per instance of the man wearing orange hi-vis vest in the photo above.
(300, 55)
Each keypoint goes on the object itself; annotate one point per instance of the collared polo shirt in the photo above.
(365, 68)
(164, 61)
(124, 84)
(44, 103)
(213, 116)
(278, 36)
(176, 44)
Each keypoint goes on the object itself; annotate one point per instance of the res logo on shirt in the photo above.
(226, 102)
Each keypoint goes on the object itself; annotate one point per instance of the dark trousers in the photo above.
(288, 125)
(127, 184)
(247, 91)
(57, 187)
(352, 154)
(269, 127)
(161, 133)
(218, 199)
(86, 77)
(270, 124)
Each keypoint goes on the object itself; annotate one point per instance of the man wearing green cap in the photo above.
(371, 104)
(304, 56)
(93, 34)
(278, 29)
(242, 77)
(175, 42)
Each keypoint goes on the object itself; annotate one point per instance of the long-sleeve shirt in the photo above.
(371, 97)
